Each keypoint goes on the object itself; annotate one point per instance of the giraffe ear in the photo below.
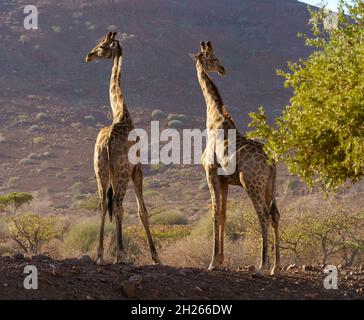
(209, 45)
(202, 45)
(193, 56)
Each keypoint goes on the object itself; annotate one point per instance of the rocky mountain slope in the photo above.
(251, 37)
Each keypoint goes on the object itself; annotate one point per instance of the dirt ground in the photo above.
(82, 279)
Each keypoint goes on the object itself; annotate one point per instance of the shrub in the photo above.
(39, 140)
(177, 116)
(31, 231)
(175, 124)
(158, 114)
(41, 116)
(33, 128)
(57, 29)
(169, 218)
(32, 156)
(27, 162)
(76, 124)
(90, 119)
(24, 38)
(82, 237)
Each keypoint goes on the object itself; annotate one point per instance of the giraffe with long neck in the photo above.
(111, 162)
(253, 170)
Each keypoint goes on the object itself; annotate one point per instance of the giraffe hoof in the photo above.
(156, 260)
(213, 267)
(100, 262)
(119, 261)
(258, 274)
(275, 272)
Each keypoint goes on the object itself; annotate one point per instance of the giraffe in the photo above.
(253, 170)
(111, 163)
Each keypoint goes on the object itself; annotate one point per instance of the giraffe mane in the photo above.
(227, 115)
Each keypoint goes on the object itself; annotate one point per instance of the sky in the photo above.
(332, 4)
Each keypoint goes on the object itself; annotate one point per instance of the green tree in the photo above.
(320, 134)
(14, 201)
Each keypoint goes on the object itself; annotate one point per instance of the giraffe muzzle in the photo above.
(89, 57)
(221, 71)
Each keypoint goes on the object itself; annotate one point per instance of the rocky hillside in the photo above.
(252, 38)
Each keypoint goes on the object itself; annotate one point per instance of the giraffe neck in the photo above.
(216, 112)
(118, 107)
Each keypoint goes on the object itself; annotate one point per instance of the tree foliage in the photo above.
(14, 200)
(320, 134)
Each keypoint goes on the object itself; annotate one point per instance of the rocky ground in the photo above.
(82, 279)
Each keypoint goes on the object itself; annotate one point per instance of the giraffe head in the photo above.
(208, 59)
(107, 48)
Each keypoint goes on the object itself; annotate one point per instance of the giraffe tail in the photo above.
(110, 196)
(110, 191)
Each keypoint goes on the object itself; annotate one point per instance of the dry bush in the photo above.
(31, 231)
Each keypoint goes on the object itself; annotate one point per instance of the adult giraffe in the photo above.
(253, 171)
(111, 162)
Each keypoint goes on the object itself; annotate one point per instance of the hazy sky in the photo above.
(332, 4)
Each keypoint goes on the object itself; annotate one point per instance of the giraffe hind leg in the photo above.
(137, 177)
(103, 207)
(118, 198)
(215, 192)
(259, 202)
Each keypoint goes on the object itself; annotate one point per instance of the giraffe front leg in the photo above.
(221, 221)
(263, 216)
(119, 215)
(119, 236)
(214, 186)
(100, 250)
